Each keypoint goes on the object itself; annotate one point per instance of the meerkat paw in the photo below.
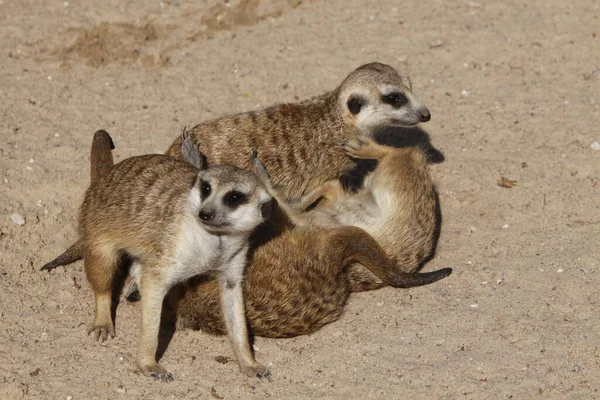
(157, 372)
(257, 370)
(358, 147)
(100, 331)
(363, 147)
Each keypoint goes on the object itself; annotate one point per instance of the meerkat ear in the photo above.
(190, 152)
(355, 104)
(260, 169)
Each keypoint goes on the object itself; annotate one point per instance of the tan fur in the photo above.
(155, 209)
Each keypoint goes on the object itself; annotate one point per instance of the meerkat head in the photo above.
(376, 95)
(231, 200)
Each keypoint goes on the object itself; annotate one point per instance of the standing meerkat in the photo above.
(175, 221)
(301, 143)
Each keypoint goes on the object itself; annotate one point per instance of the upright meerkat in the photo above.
(301, 143)
(175, 221)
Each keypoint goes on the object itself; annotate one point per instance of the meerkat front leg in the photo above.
(153, 290)
(232, 304)
(363, 147)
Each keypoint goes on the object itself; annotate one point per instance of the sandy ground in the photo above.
(514, 92)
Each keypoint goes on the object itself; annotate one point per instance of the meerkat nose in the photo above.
(425, 115)
(206, 215)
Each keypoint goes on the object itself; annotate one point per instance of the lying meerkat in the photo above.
(297, 281)
(301, 143)
(175, 221)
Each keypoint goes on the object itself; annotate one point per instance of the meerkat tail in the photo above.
(362, 248)
(72, 254)
(101, 160)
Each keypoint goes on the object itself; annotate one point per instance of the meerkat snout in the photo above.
(425, 115)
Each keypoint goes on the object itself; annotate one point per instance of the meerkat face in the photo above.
(376, 95)
(231, 200)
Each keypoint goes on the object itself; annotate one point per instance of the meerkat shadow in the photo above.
(119, 283)
(397, 136)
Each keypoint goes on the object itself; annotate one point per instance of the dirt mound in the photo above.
(122, 43)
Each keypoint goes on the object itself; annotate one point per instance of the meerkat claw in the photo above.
(165, 377)
(267, 375)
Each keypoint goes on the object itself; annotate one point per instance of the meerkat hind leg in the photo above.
(232, 304)
(329, 192)
(100, 270)
(153, 290)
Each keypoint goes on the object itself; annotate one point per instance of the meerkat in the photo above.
(301, 143)
(397, 204)
(175, 221)
(298, 282)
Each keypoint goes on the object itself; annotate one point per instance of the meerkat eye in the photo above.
(395, 99)
(234, 199)
(355, 104)
(205, 189)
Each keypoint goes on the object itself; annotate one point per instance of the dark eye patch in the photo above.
(234, 199)
(205, 189)
(355, 104)
(395, 99)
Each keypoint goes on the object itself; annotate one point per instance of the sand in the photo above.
(513, 88)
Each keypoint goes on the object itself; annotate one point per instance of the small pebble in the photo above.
(595, 146)
(464, 92)
(57, 134)
(560, 270)
(474, 305)
(17, 219)
(121, 389)
(31, 161)
(69, 397)
(505, 226)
